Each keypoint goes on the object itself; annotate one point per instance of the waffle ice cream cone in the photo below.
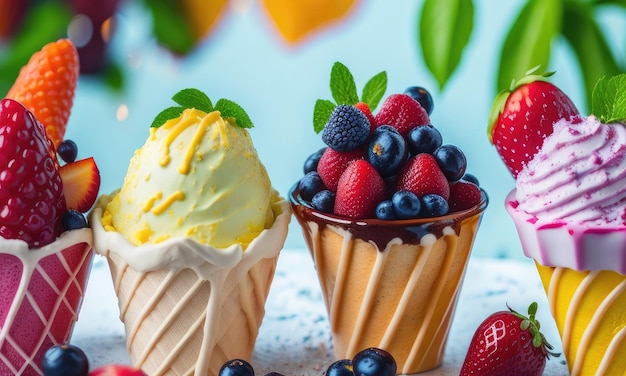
(584, 276)
(392, 285)
(188, 308)
(41, 297)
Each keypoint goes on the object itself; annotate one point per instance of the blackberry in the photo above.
(346, 129)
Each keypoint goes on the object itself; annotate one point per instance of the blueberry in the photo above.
(274, 374)
(384, 210)
(346, 129)
(422, 96)
(406, 204)
(434, 206)
(387, 152)
(236, 367)
(342, 367)
(374, 362)
(471, 178)
(324, 201)
(311, 162)
(65, 360)
(424, 139)
(309, 185)
(73, 220)
(451, 160)
(68, 150)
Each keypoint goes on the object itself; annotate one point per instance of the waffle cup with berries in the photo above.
(389, 217)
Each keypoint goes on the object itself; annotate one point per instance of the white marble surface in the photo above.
(294, 338)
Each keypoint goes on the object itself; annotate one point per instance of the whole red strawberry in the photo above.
(421, 175)
(523, 116)
(508, 344)
(333, 163)
(31, 190)
(463, 195)
(116, 370)
(402, 112)
(360, 189)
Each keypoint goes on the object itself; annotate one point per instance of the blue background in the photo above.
(247, 61)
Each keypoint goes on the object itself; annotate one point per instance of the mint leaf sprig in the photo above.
(608, 99)
(194, 98)
(343, 90)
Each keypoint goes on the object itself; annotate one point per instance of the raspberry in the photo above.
(346, 129)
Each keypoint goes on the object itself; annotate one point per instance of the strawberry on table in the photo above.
(31, 190)
(508, 343)
(46, 85)
(522, 117)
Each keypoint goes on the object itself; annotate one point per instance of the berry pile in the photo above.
(368, 362)
(391, 165)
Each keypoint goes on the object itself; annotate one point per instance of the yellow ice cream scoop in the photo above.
(198, 175)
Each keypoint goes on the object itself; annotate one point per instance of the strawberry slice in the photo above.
(81, 183)
(31, 198)
(360, 189)
(523, 116)
(46, 85)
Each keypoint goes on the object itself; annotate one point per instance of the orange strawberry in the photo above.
(46, 84)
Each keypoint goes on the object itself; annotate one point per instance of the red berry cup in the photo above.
(393, 285)
(42, 293)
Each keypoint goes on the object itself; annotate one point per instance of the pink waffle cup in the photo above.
(42, 292)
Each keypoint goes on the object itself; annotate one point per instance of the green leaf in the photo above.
(374, 90)
(321, 113)
(193, 98)
(342, 85)
(609, 99)
(230, 109)
(528, 42)
(444, 31)
(165, 115)
(170, 25)
(589, 44)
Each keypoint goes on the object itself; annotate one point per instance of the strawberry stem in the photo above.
(531, 324)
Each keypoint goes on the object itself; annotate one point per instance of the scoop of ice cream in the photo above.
(196, 176)
(578, 176)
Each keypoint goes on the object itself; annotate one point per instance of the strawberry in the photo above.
(116, 370)
(81, 183)
(522, 117)
(421, 175)
(360, 189)
(333, 163)
(365, 108)
(46, 85)
(402, 112)
(31, 190)
(508, 344)
(463, 195)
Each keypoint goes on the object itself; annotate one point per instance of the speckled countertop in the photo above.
(294, 338)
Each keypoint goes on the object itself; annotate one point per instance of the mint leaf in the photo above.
(193, 98)
(374, 90)
(342, 85)
(165, 115)
(230, 109)
(321, 113)
(609, 99)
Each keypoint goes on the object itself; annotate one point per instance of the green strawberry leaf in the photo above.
(193, 98)
(528, 42)
(444, 30)
(609, 99)
(342, 85)
(321, 113)
(582, 32)
(230, 109)
(165, 115)
(374, 90)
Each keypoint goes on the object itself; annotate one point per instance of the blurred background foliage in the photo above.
(443, 31)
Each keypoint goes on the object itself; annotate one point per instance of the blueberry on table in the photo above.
(422, 96)
(236, 367)
(65, 360)
(452, 161)
(374, 362)
(342, 367)
(424, 139)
